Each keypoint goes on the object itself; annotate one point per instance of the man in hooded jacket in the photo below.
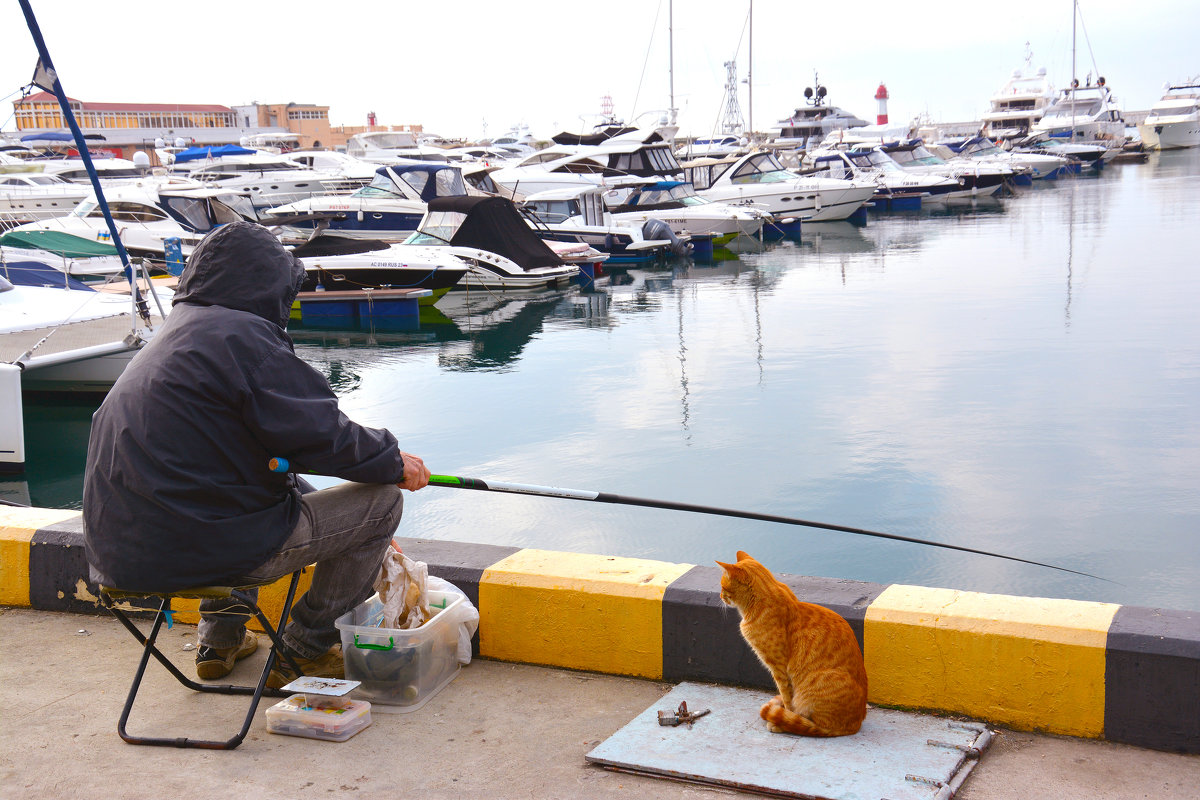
(177, 492)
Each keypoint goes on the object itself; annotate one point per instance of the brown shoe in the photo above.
(212, 663)
(327, 665)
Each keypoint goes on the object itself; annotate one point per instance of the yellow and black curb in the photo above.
(1124, 673)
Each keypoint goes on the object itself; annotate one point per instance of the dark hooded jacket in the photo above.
(177, 491)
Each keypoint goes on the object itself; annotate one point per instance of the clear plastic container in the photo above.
(334, 719)
(400, 670)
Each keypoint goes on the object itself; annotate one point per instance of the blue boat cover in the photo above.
(50, 136)
(35, 273)
(197, 153)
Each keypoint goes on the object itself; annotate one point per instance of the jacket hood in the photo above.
(242, 266)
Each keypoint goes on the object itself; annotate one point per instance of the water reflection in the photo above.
(1018, 376)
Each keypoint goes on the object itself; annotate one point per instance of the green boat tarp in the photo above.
(62, 244)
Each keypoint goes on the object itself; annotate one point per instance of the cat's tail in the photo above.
(782, 719)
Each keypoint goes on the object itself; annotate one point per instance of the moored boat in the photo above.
(1174, 121)
(1018, 105)
(488, 233)
(760, 180)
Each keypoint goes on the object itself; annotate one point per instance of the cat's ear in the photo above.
(742, 555)
(735, 572)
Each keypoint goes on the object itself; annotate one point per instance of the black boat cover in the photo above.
(331, 245)
(599, 138)
(495, 225)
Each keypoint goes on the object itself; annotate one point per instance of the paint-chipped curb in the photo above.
(1124, 673)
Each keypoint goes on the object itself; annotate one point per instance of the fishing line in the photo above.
(280, 464)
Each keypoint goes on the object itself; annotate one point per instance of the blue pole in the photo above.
(81, 143)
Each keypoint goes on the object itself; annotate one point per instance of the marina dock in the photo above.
(571, 647)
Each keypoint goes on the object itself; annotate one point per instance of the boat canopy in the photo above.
(35, 273)
(421, 180)
(597, 138)
(495, 225)
(59, 243)
(198, 153)
(49, 136)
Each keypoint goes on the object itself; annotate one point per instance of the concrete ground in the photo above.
(498, 730)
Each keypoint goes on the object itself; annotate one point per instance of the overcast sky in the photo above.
(466, 68)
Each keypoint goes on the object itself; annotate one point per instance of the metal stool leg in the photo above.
(150, 648)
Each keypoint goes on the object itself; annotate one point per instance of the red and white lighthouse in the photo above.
(881, 96)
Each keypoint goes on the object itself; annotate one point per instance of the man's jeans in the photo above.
(345, 530)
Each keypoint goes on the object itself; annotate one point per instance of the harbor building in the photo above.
(124, 128)
(121, 129)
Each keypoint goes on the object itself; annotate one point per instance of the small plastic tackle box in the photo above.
(400, 669)
(315, 713)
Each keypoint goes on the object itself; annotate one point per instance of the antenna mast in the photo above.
(732, 119)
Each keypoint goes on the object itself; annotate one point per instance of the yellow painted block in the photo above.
(17, 527)
(1027, 662)
(588, 612)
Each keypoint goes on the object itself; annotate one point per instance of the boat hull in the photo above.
(1171, 135)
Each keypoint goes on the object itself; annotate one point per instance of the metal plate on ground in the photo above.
(895, 755)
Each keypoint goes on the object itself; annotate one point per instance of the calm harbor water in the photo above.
(1021, 375)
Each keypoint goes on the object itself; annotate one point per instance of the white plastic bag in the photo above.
(404, 586)
(464, 616)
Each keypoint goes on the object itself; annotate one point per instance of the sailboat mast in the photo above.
(671, 54)
(750, 77)
(1074, 80)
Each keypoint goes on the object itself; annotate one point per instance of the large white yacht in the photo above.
(809, 125)
(1087, 113)
(1174, 121)
(1017, 106)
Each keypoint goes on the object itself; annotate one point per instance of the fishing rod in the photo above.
(279, 464)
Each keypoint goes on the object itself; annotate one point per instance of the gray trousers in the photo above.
(345, 530)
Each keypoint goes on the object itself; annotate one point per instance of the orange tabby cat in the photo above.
(811, 652)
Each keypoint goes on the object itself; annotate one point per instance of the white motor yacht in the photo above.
(892, 182)
(1174, 121)
(578, 214)
(391, 147)
(1017, 106)
(500, 250)
(687, 213)
(389, 208)
(713, 147)
(1039, 166)
(68, 255)
(593, 160)
(760, 180)
(809, 125)
(977, 178)
(333, 162)
(150, 212)
(1087, 113)
(63, 337)
(71, 338)
(29, 196)
(111, 171)
(268, 179)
